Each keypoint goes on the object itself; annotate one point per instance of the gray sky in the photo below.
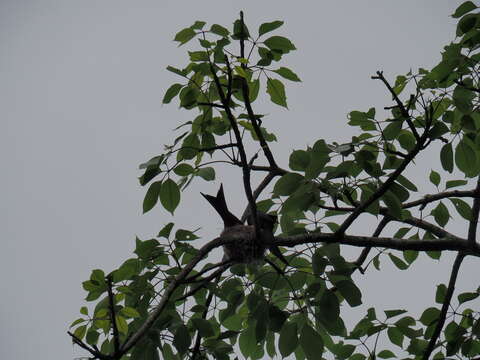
(81, 84)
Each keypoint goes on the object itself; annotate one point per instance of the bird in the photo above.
(245, 248)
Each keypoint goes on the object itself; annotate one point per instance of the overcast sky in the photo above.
(81, 84)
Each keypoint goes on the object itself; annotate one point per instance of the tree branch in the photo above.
(400, 105)
(113, 318)
(196, 347)
(446, 194)
(204, 281)
(363, 255)
(95, 353)
(443, 244)
(233, 123)
(472, 228)
(445, 305)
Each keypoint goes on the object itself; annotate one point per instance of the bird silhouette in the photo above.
(246, 247)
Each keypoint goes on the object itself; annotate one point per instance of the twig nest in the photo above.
(245, 247)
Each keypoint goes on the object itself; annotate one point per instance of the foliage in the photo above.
(164, 300)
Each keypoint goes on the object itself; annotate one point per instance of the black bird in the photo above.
(246, 248)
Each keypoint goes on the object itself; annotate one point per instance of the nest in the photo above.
(245, 247)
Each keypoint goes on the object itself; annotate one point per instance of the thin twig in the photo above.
(400, 105)
(113, 318)
(363, 255)
(446, 303)
(96, 354)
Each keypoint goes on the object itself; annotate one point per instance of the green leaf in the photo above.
(78, 321)
(467, 296)
(198, 56)
(276, 90)
(330, 308)
(287, 74)
(279, 43)
(151, 197)
(184, 36)
(129, 312)
(247, 341)
(462, 98)
(287, 184)
(253, 89)
(169, 195)
(288, 340)
(466, 7)
(182, 339)
(407, 140)
(240, 30)
(121, 324)
(92, 336)
(429, 316)
(399, 263)
(395, 336)
(299, 160)
(406, 183)
(183, 169)
(204, 327)
(176, 71)
(401, 232)
(190, 147)
(350, 292)
(446, 156)
(440, 293)
(185, 235)
(171, 93)
(392, 130)
(311, 342)
(207, 173)
(441, 215)
(392, 313)
(386, 354)
(410, 255)
(267, 27)
(435, 178)
(393, 203)
(80, 331)
(465, 157)
(165, 231)
(198, 25)
(463, 208)
(219, 30)
(188, 97)
(455, 183)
